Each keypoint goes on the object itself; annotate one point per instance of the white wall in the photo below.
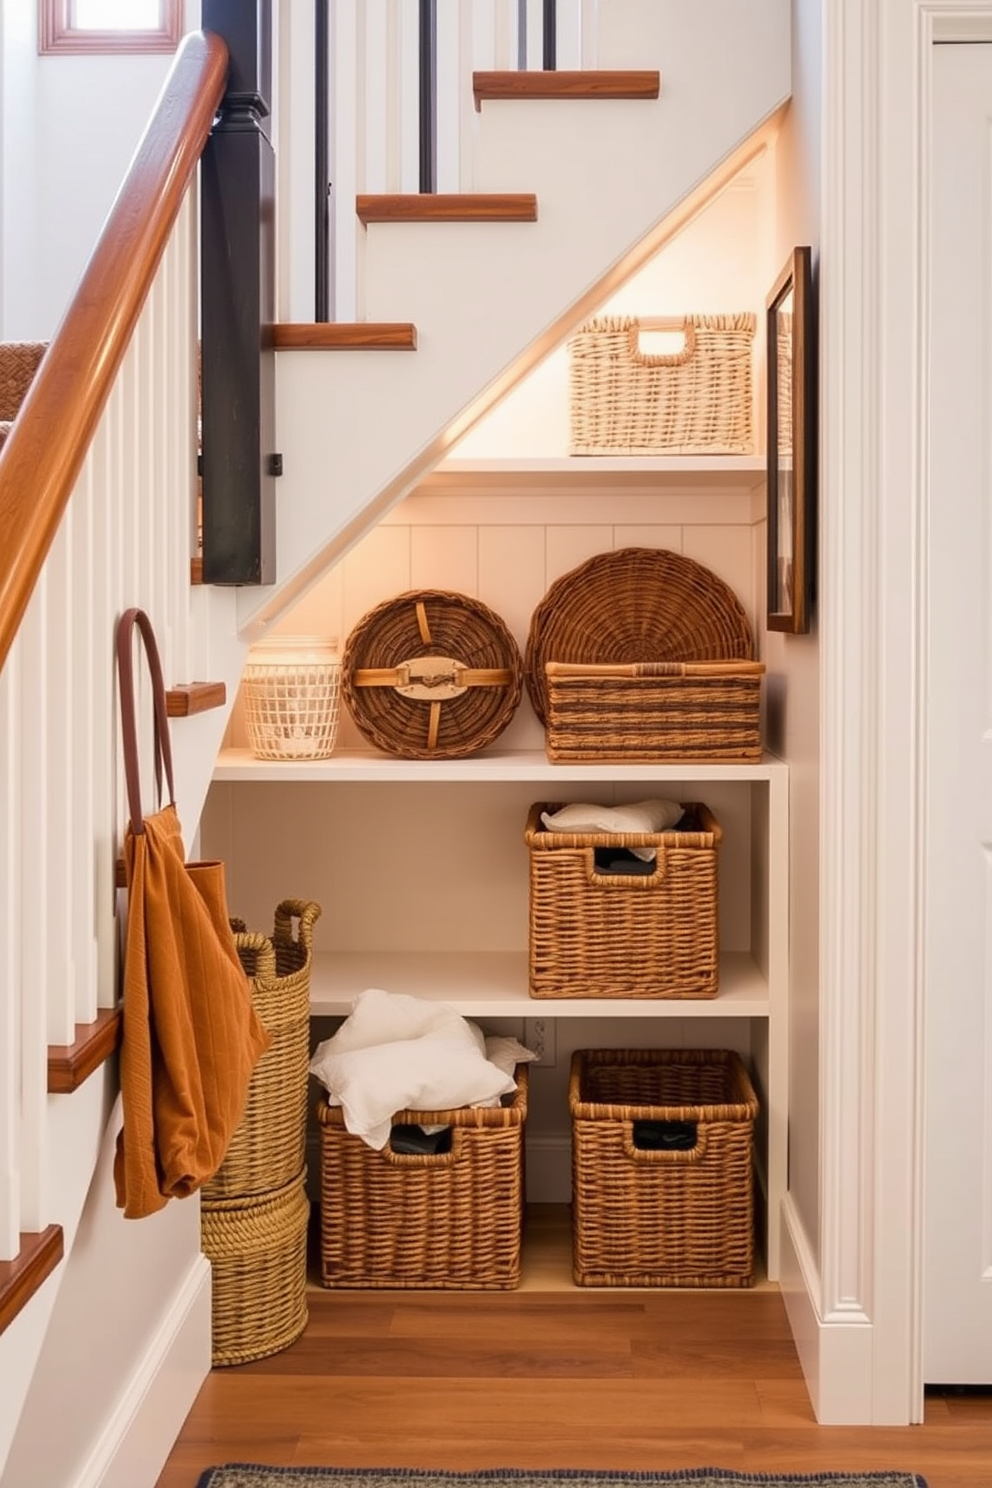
(59, 177)
(794, 662)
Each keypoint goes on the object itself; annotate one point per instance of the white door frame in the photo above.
(857, 1307)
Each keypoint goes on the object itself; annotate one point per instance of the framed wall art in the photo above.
(791, 444)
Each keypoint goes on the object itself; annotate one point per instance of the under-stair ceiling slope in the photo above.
(614, 180)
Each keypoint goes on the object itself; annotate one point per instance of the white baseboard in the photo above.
(836, 1355)
(148, 1417)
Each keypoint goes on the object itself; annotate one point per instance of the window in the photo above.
(109, 25)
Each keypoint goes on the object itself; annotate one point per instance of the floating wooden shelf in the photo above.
(70, 1064)
(428, 206)
(352, 336)
(20, 1278)
(196, 570)
(489, 86)
(194, 697)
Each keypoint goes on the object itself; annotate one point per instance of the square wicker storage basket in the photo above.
(601, 933)
(443, 1220)
(662, 1168)
(699, 399)
(654, 711)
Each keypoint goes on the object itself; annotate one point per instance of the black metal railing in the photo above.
(427, 110)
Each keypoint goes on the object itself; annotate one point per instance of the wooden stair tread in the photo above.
(435, 206)
(70, 1064)
(489, 86)
(20, 1278)
(345, 336)
(194, 697)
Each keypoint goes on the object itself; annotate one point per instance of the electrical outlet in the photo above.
(539, 1035)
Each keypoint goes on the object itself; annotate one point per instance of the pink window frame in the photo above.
(56, 32)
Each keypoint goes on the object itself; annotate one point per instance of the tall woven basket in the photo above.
(268, 1148)
(626, 401)
(257, 1248)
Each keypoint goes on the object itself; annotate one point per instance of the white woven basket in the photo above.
(292, 695)
(698, 400)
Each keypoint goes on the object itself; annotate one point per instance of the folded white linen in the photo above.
(637, 816)
(397, 1053)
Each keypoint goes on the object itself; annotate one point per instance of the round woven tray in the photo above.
(431, 675)
(635, 604)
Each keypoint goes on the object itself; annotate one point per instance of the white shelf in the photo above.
(491, 765)
(574, 471)
(494, 985)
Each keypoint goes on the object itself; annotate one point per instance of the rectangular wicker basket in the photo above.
(600, 933)
(698, 400)
(449, 1220)
(704, 710)
(662, 1168)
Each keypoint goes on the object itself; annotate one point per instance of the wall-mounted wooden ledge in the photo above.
(20, 1278)
(196, 570)
(426, 206)
(194, 697)
(489, 86)
(70, 1064)
(346, 336)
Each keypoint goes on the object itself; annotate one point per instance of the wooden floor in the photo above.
(553, 1375)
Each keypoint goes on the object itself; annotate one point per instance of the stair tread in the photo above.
(70, 1064)
(345, 336)
(590, 83)
(20, 1278)
(447, 207)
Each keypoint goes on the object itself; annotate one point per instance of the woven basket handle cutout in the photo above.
(655, 1155)
(305, 911)
(256, 952)
(662, 358)
(637, 882)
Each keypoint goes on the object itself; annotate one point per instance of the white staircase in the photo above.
(115, 1344)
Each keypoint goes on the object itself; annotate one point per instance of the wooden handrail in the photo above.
(45, 450)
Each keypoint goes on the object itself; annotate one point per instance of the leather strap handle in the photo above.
(131, 620)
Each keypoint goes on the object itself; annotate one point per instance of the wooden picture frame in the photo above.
(791, 445)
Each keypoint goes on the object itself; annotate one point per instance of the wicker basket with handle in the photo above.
(696, 400)
(644, 654)
(268, 1148)
(662, 1168)
(440, 1220)
(597, 932)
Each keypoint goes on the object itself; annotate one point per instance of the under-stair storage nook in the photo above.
(421, 865)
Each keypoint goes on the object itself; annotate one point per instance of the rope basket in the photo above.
(441, 1220)
(662, 1168)
(431, 674)
(696, 400)
(257, 1248)
(269, 1146)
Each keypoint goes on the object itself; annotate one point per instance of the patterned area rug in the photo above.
(246, 1475)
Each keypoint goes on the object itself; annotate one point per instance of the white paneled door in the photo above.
(957, 1320)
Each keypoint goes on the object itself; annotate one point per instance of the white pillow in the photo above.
(638, 816)
(506, 1053)
(418, 1074)
(379, 1017)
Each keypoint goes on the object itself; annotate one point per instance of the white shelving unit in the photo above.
(493, 984)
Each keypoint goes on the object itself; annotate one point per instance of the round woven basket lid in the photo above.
(431, 674)
(635, 604)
